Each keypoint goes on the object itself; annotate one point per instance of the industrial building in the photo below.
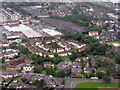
(51, 32)
(27, 31)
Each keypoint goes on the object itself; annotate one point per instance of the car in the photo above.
(94, 78)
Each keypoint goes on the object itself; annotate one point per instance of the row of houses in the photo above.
(66, 48)
(9, 53)
(22, 63)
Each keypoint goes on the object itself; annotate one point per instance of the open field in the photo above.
(95, 85)
(110, 43)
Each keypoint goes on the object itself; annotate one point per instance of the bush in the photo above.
(107, 79)
(78, 76)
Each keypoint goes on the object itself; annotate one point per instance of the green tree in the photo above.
(39, 60)
(60, 73)
(38, 83)
(100, 74)
(13, 45)
(96, 28)
(38, 69)
(25, 40)
(117, 59)
(107, 79)
(50, 71)
(3, 59)
(24, 50)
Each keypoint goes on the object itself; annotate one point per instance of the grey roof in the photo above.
(75, 70)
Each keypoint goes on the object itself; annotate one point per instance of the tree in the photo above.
(73, 56)
(92, 74)
(50, 71)
(60, 73)
(117, 60)
(23, 50)
(38, 83)
(75, 11)
(25, 40)
(102, 63)
(13, 45)
(100, 74)
(3, 59)
(48, 87)
(107, 79)
(38, 69)
(96, 28)
(25, 80)
(39, 60)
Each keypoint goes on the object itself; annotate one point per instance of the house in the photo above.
(48, 41)
(21, 85)
(4, 44)
(117, 68)
(53, 82)
(102, 70)
(12, 67)
(67, 48)
(88, 70)
(39, 43)
(23, 44)
(25, 58)
(93, 33)
(72, 50)
(10, 53)
(45, 48)
(76, 44)
(27, 67)
(40, 53)
(47, 64)
(7, 75)
(75, 71)
(116, 47)
(65, 65)
(76, 64)
(62, 53)
(60, 50)
(49, 54)
(81, 58)
(80, 45)
(62, 44)
(52, 50)
(69, 53)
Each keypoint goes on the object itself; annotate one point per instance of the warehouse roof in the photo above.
(51, 32)
(27, 31)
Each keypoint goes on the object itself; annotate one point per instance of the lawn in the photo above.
(95, 85)
(110, 43)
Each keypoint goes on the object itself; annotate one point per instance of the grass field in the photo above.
(95, 85)
(110, 43)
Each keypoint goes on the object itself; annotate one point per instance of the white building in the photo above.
(27, 31)
(93, 33)
(62, 53)
(51, 32)
(27, 67)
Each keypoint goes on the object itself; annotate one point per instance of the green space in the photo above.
(95, 85)
(110, 43)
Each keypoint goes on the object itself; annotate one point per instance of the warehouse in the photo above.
(13, 37)
(27, 31)
(51, 32)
